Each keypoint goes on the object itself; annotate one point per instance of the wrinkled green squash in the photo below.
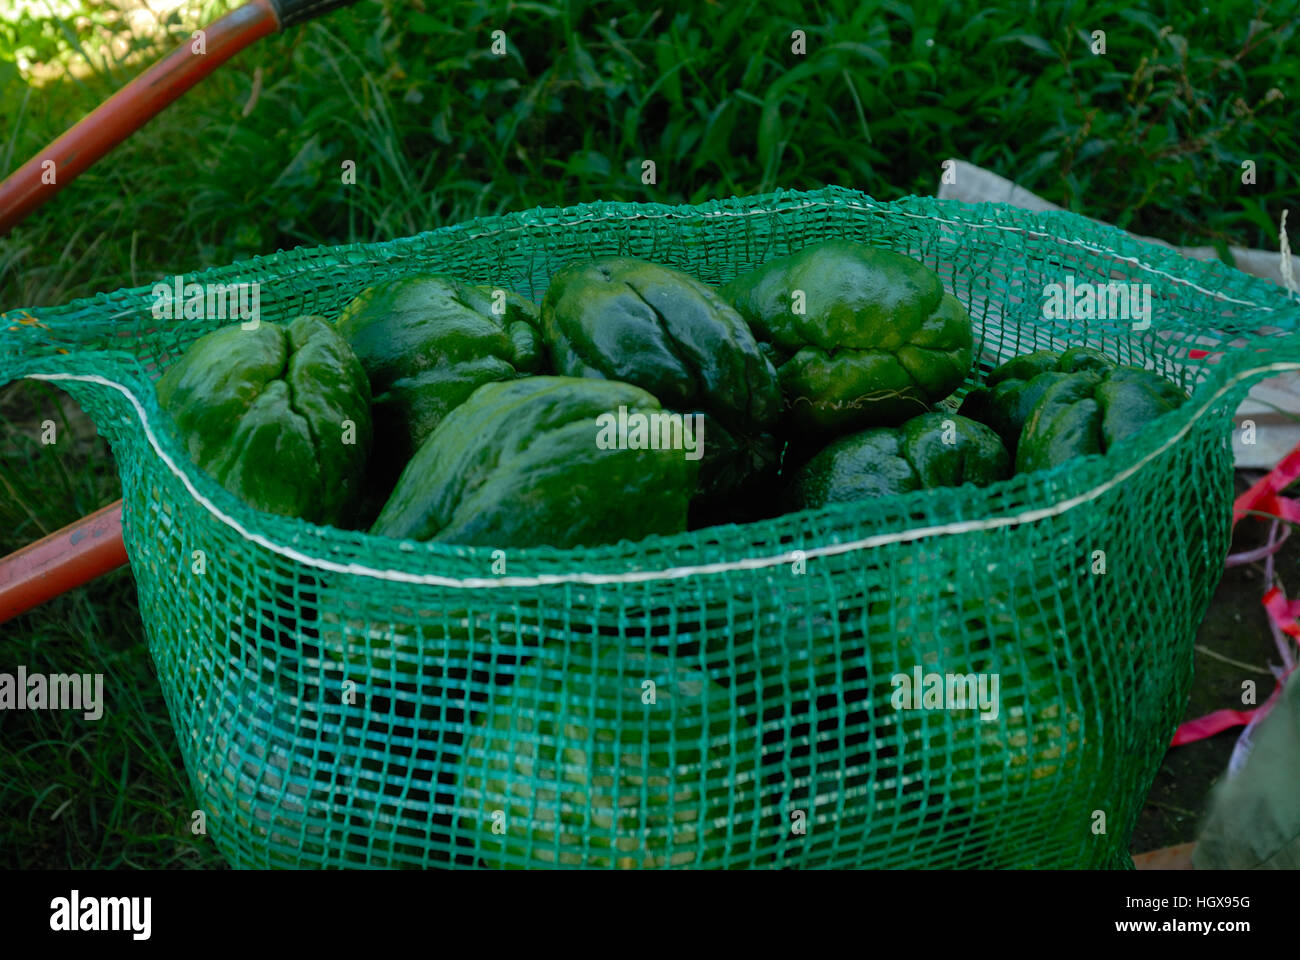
(932, 450)
(426, 344)
(581, 771)
(641, 323)
(278, 415)
(861, 336)
(1050, 407)
(531, 462)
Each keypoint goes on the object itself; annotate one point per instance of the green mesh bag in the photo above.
(720, 698)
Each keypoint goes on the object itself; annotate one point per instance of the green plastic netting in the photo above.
(722, 697)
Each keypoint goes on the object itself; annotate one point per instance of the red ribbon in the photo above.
(1262, 498)
(1202, 728)
(1282, 611)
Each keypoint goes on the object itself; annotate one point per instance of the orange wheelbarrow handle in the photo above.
(93, 546)
(126, 111)
(67, 558)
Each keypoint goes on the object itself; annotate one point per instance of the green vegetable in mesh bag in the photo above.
(862, 336)
(623, 319)
(836, 747)
(536, 462)
(1029, 751)
(255, 785)
(1051, 407)
(810, 682)
(1090, 412)
(426, 344)
(278, 415)
(932, 450)
(584, 763)
(283, 796)
(1009, 395)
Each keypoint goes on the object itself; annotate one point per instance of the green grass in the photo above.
(1150, 136)
(74, 792)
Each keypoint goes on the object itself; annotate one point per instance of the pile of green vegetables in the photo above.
(433, 409)
(636, 400)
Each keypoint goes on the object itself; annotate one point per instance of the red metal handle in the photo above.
(67, 558)
(93, 546)
(128, 110)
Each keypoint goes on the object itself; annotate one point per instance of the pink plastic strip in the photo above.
(1262, 497)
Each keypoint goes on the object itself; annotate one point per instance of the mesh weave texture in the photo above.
(346, 700)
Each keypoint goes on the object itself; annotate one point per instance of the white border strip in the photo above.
(672, 573)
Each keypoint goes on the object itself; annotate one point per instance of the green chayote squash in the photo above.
(1034, 752)
(426, 344)
(932, 450)
(581, 771)
(861, 336)
(1009, 395)
(272, 795)
(278, 415)
(534, 462)
(1090, 413)
(657, 328)
(1050, 408)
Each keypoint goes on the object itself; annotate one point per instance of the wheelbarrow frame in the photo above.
(92, 546)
